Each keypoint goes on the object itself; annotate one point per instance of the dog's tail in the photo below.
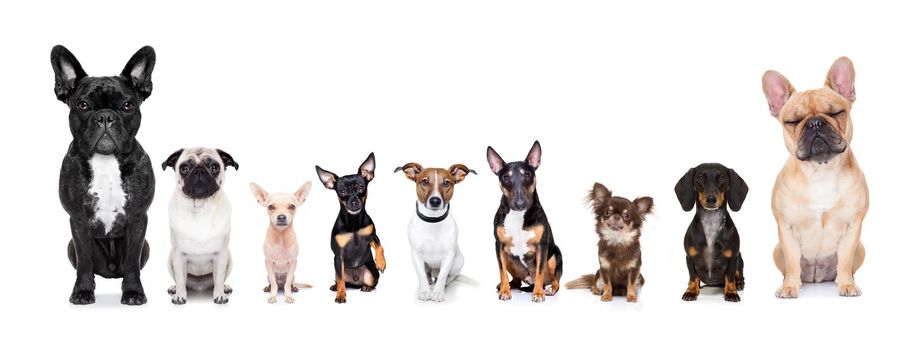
(583, 282)
(301, 285)
(460, 278)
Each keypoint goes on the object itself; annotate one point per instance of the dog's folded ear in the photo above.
(327, 178)
(67, 72)
(410, 169)
(227, 160)
(685, 190)
(644, 205)
(171, 160)
(138, 71)
(302, 193)
(842, 78)
(459, 172)
(777, 90)
(260, 194)
(598, 196)
(367, 168)
(534, 156)
(738, 191)
(495, 161)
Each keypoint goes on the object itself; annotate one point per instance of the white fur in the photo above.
(435, 245)
(107, 187)
(513, 224)
(622, 237)
(712, 223)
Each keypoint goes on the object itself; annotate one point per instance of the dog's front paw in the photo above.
(381, 265)
(82, 297)
(333, 288)
(690, 296)
(289, 299)
(424, 294)
(607, 297)
(550, 291)
(849, 290)
(632, 299)
(787, 292)
(340, 300)
(223, 299)
(732, 297)
(133, 298)
(171, 290)
(537, 297)
(438, 295)
(505, 295)
(596, 291)
(272, 299)
(178, 300)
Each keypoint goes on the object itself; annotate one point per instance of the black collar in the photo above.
(432, 220)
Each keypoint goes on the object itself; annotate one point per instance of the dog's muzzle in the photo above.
(106, 142)
(819, 141)
(282, 220)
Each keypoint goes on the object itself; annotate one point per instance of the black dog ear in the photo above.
(67, 72)
(327, 178)
(738, 191)
(410, 169)
(495, 161)
(367, 168)
(138, 71)
(534, 155)
(171, 160)
(598, 195)
(685, 190)
(227, 160)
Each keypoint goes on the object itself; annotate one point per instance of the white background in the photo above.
(628, 95)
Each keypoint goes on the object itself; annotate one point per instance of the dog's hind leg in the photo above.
(456, 268)
(370, 276)
(146, 252)
(72, 254)
(778, 259)
(554, 271)
(859, 257)
(740, 278)
(221, 271)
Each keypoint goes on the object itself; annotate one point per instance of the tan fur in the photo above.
(804, 231)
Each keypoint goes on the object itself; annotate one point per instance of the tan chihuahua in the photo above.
(280, 246)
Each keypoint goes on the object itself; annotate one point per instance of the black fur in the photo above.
(104, 118)
(702, 187)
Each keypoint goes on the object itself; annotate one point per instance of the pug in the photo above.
(200, 223)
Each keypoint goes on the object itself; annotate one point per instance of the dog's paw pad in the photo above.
(732, 297)
(290, 300)
(82, 297)
(178, 300)
(787, 292)
(690, 296)
(272, 300)
(549, 292)
(506, 295)
(221, 300)
(133, 298)
(340, 300)
(849, 290)
(537, 298)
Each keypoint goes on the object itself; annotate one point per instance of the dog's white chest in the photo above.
(621, 237)
(512, 225)
(823, 195)
(107, 186)
(712, 223)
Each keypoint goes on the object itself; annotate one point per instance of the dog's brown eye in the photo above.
(361, 188)
(292, 207)
(343, 192)
(721, 179)
(424, 182)
(446, 183)
(625, 216)
(128, 106)
(700, 178)
(184, 169)
(83, 106)
(506, 178)
(271, 207)
(608, 213)
(215, 168)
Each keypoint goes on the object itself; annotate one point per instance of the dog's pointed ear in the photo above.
(227, 160)
(171, 160)
(598, 195)
(534, 155)
(685, 190)
(738, 191)
(459, 172)
(367, 168)
(644, 205)
(327, 178)
(138, 71)
(67, 72)
(777, 90)
(411, 170)
(841, 77)
(495, 161)
(260, 194)
(302, 193)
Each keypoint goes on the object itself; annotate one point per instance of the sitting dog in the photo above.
(107, 180)
(353, 235)
(280, 245)
(712, 242)
(820, 196)
(433, 234)
(523, 238)
(199, 223)
(618, 223)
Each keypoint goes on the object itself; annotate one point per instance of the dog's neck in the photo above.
(431, 215)
(281, 233)
(832, 167)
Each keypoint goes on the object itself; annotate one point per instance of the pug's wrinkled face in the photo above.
(200, 171)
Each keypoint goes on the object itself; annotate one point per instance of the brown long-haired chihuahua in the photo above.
(619, 225)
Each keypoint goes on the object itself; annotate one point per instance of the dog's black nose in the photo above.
(815, 123)
(434, 202)
(711, 199)
(281, 218)
(105, 119)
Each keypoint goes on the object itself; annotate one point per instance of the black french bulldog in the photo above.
(107, 180)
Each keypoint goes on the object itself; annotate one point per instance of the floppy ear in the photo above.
(685, 190)
(777, 90)
(738, 191)
(367, 168)
(171, 160)
(598, 195)
(302, 193)
(67, 72)
(138, 71)
(459, 172)
(227, 160)
(411, 170)
(495, 161)
(534, 155)
(259, 193)
(644, 205)
(329, 179)
(842, 78)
